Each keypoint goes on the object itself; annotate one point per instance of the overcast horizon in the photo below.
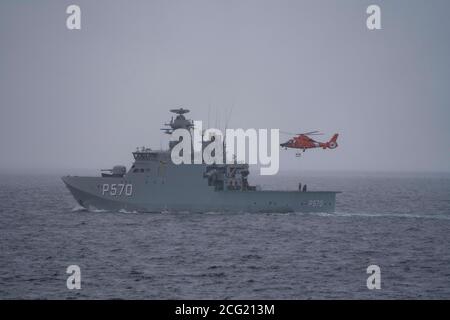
(87, 98)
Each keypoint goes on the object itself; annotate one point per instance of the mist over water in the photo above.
(400, 222)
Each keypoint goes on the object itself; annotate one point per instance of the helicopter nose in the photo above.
(283, 144)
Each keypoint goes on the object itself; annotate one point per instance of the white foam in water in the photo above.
(320, 214)
(126, 211)
(78, 208)
(94, 209)
(213, 212)
(378, 215)
(166, 211)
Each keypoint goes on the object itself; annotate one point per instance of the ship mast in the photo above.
(180, 122)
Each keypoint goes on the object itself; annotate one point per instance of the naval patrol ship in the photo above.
(154, 183)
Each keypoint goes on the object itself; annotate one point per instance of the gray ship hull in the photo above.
(159, 195)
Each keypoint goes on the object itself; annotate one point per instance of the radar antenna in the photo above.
(180, 111)
(180, 122)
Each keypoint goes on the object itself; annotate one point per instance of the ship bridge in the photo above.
(145, 154)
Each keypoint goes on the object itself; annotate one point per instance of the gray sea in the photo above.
(398, 221)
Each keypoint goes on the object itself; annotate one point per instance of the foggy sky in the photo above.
(88, 98)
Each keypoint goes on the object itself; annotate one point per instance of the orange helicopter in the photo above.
(304, 141)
